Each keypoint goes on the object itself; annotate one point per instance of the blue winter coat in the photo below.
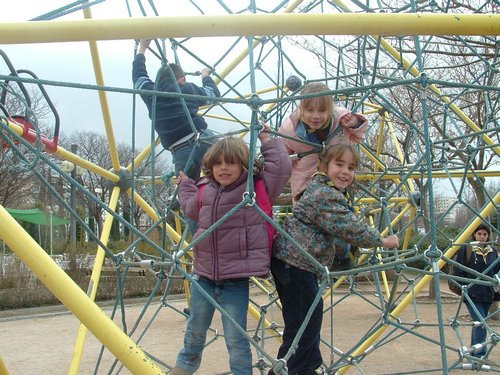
(171, 122)
(479, 263)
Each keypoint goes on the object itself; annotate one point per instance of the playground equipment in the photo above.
(406, 153)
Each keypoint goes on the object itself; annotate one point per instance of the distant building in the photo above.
(442, 204)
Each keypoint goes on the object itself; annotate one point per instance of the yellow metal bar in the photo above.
(369, 155)
(244, 53)
(372, 105)
(225, 118)
(228, 69)
(406, 240)
(435, 174)
(94, 282)
(373, 211)
(103, 98)
(152, 213)
(256, 314)
(375, 200)
(64, 154)
(248, 24)
(378, 164)
(488, 209)
(385, 282)
(74, 298)
(16, 128)
(3, 368)
(265, 286)
(380, 144)
(143, 155)
(398, 148)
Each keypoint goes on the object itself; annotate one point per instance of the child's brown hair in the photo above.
(233, 150)
(176, 69)
(335, 152)
(323, 101)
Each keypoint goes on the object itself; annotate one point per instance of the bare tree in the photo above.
(94, 147)
(445, 128)
(18, 187)
(16, 184)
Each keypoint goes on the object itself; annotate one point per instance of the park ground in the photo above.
(40, 341)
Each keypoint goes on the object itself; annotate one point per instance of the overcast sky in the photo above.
(71, 62)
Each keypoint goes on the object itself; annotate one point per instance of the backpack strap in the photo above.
(264, 203)
(200, 193)
(262, 197)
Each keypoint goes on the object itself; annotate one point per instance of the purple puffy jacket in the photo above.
(239, 247)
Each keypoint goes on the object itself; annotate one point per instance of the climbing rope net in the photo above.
(432, 103)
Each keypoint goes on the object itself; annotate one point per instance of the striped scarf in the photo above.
(483, 252)
(318, 135)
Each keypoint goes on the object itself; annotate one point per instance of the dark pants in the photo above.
(478, 335)
(297, 289)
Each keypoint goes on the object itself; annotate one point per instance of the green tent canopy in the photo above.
(36, 216)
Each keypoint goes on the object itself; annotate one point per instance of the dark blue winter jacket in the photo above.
(170, 120)
(479, 263)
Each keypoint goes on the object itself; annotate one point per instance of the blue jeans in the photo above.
(232, 296)
(297, 290)
(181, 155)
(478, 335)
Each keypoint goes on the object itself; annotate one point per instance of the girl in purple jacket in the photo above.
(238, 248)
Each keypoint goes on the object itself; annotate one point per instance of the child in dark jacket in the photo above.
(237, 249)
(482, 256)
(170, 119)
(321, 217)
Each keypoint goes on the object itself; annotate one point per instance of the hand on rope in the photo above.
(264, 135)
(350, 121)
(144, 45)
(390, 242)
(180, 178)
(205, 72)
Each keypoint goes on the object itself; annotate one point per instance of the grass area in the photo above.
(20, 288)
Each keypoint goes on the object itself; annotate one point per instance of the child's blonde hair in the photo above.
(323, 101)
(233, 150)
(335, 152)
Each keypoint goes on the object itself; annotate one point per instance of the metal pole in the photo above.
(74, 150)
(74, 298)
(51, 229)
(396, 24)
